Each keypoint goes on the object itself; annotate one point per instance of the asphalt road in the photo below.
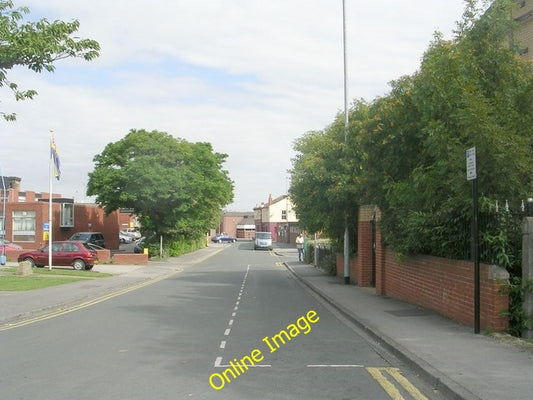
(236, 326)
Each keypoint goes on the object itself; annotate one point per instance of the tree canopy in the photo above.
(406, 150)
(324, 179)
(177, 187)
(36, 45)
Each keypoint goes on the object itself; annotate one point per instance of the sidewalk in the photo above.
(459, 363)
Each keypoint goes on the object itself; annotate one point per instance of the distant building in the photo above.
(523, 35)
(27, 215)
(237, 224)
(278, 217)
(127, 219)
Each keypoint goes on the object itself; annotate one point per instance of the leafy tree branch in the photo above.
(36, 45)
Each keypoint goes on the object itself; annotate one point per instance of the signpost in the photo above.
(471, 167)
(471, 175)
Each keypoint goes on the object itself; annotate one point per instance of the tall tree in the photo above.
(406, 150)
(472, 91)
(178, 187)
(325, 185)
(36, 45)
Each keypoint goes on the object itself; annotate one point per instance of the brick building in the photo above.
(523, 35)
(237, 224)
(26, 213)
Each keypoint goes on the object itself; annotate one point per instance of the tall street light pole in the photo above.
(346, 233)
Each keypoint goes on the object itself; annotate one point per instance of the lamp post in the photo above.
(346, 233)
(3, 255)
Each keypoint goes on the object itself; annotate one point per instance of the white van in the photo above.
(263, 240)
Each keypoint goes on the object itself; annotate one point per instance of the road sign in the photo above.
(471, 175)
(471, 168)
(46, 226)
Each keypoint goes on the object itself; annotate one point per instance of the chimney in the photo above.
(14, 182)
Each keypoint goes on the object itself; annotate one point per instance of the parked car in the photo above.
(139, 246)
(263, 240)
(9, 245)
(133, 232)
(77, 254)
(223, 238)
(95, 238)
(123, 238)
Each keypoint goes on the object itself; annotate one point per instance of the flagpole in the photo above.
(50, 179)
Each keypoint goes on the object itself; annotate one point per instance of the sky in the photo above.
(248, 76)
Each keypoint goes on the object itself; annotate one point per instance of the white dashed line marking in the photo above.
(222, 347)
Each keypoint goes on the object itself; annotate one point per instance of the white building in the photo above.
(278, 217)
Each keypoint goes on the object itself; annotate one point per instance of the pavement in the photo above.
(457, 362)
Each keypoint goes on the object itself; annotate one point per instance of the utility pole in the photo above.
(346, 233)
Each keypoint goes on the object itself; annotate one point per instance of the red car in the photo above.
(8, 245)
(76, 254)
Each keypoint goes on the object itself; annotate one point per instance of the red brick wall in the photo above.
(104, 256)
(340, 264)
(128, 258)
(446, 286)
(440, 284)
(229, 225)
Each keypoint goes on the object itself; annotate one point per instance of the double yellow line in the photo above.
(96, 300)
(379, 375)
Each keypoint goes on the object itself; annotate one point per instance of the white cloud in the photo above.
(249, 76)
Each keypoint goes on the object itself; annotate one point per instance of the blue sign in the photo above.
(46, 226)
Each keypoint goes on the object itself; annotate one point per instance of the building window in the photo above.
(283, 214)
(67, 215)
(2, 226)
(24, 226)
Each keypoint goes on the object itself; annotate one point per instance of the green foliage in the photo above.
(183, 245)
(501, 239)
(326, 256)
(173, 246)
(325, 180)
(36, 45)
(468, 92)
(518, 319)
(177, 187)
(406, 151)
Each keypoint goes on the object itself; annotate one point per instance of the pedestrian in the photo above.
(300, 246)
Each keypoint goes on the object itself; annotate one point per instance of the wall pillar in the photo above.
(366, 245)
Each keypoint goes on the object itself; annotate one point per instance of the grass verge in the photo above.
(42, 277)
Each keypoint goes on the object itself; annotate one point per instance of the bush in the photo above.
(518, 319)
(173, 246)
(326, 259)
(184, 246)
